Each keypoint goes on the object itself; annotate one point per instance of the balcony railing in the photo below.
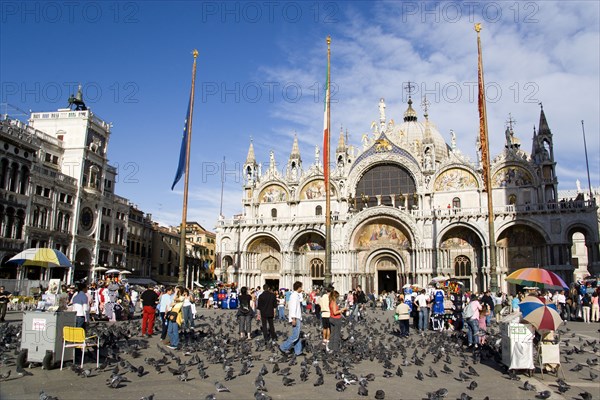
(524, 209)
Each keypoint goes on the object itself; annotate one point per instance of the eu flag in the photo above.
(183, 150)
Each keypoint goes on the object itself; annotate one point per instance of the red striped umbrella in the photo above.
(537, 277)
(537, 313)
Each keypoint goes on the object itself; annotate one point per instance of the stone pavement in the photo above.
(492, 382)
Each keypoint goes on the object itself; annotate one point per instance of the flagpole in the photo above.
(587, 164)
(485, 158)
(327, 272)
(182, 240)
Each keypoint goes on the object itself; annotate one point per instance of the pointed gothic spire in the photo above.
(295, 149)
(250, 158)
(543, 128)
(341, 141)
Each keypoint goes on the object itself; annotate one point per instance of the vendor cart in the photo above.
(42, 337)
(517, 346)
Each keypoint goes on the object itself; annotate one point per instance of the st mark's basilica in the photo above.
(406, 207)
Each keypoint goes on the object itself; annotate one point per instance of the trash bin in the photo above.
(43, 333)
(517, 345)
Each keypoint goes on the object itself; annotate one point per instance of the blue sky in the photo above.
(260, 69)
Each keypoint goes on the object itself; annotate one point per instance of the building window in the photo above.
(317, 268)
(462, 266)
(318, 210)
(385, 180)
(456, 202)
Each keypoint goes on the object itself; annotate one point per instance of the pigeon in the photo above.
(543, 395)
(183, 377)
(463, 377)
(529, 386)
(319, 381)
(263, 371)
(44, 396)
(362, 391)
(586, 395)
(23, 372)
(114, 381)
(513, 375)
(258, 395)
(472, 385)
(380, 395)
(220, 387)
(287, 381)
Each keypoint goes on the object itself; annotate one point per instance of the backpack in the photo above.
(467, 312)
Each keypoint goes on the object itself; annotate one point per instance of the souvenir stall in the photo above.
(535, 315)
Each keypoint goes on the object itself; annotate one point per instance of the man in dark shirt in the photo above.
(267, 303)
(489, 302)
(4, 298)
(149, 301)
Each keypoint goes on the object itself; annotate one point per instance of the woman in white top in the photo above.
(188, 318)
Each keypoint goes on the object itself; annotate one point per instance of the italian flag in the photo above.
(326, 132)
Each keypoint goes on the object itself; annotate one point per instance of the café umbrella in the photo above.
(113, 272)
(41, 257)
(537, 277)
(539, 314)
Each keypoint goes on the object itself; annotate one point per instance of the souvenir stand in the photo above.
(42, 336)
(517, 343)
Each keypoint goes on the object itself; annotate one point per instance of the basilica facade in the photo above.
(406, 207)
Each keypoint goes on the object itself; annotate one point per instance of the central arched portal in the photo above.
(386, 271)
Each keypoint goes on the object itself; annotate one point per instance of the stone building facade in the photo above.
(406, 207)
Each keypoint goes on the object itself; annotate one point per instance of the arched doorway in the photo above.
(309, 256)
(387, 274)
(461, 256)
(520, 246)
(582, 252)
(262, 262)
(82, 264)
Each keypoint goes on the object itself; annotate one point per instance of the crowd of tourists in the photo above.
(172, 311)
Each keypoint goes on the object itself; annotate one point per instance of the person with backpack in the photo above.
(471, 319)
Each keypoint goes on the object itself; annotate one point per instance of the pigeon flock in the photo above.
(214, 363)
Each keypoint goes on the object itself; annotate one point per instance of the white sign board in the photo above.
(38, 324)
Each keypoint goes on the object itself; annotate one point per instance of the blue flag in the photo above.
(183, 151)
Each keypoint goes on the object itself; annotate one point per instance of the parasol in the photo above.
(537, 313)
(537, 277)
(41, 257)
(112, 272)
